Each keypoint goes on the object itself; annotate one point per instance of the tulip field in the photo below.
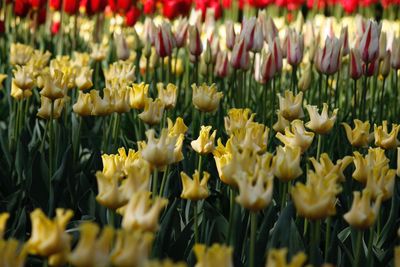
(208, 133)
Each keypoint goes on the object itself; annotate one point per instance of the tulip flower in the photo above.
(276, 51)
(138, 95)
(122, 71)
(164, 263)
(12, 253)
(2, 78)
(268, 68)
(22, 78)
(382, 45)
(168, 95)
(286, 163)
(153, 111)
(54, 86)
(327, 60)
(216, 255)
(121, 100)
(178, 128)
(281, 123)
(44, 111)
(132, 248)
(253, 136)
(101, 106)
(92, 250)
(355, 68)
(398, 162)
(230, 34)
(320, 123)
(195, 44)
(109, 193)
(205, 142)
(295, 48)
(99, 52)
(223, 157)
(383, 138)
(206, 98)
(395, 58)
(163, 41)
(369, 44)
(181, 32)
(159, 152)
(121, 46)
(278, 257)
(221, 65)
(384, 69)
(237, 119)
(256, 188)
(380, 182)
(344, 40)
(3, 223)
(317, 198)
(360, 135)
(305, 79)
(296, 135)
(195, 189)
(83, 80)
(371, 69)
(325, 166)
(375, 159)
(20, 54)
(48, 236)
(142, 212)
(19, 94)
(361, 214)
(290, 105)
(240, 58)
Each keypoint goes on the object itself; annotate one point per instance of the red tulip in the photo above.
(195, 45)
(132, 16)
(91, 7)
(2, 27)
(259, 3)
(21, 8)
(163, 41)
(121, 6)
(36, 4)
(350, 5)
(55, 27)
(175, 8)
(355, 64)
(203, 5)
(372, 68)
(149, 6)
(240, 56)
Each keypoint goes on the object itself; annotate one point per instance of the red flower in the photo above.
(93, 6)
(21, 8)
(259, 3)
(149, 6)
(132, 16)
(120, 5)
(70, 6)
(175, 8)
(2, 27)
(36, 4)
(228, 3)
(55, 27)
(213, 4)
(349, 5)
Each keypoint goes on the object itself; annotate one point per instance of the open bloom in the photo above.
(132, 248)
(153, 111)
(195, 189)
(380, 182)
(216, 255)
(101, 106)
(142, 212)
(223, 157)
(83, 79)
(20, 54)
(138, 95)
(290, 105)
(12, 253)
(360, 135)
(320, 124)
(168, 95)
(383, 138)
(237, 119)
(374, 159)
(54, 85)
(362, 215)
(206, 98)
(121, 100)
(3, 222)
(325, 166)
(204, 144)
(278, 258)
(252, 136)
(44, 111)
(317, 198)
(92, 250)
(281, 123)
(286, 163)
(296, 135)
(23, 78)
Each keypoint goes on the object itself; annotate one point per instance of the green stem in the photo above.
(284, 192)
(253, 232)
(364, 96)
(155, 182)
(315, 234)
(196, 223)
(294, 80)
(355, 100)
(327, 237)
(164, 181)
(51, 156)
(231, 213)
(382, 104)
(358, 249)
(370, 260)
(110, 217)
(319, 146)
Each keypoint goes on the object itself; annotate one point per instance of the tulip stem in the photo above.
(319, 146)
(381, 104)
(294, 79)
(155, 182)
(355, 100)
(370, 260)
(51, 156)
(253, 231)
(364, 96)
(315, 234)
(163, 182)
(327, 98)
(231, 213)
(327, 237)
(199, 164)
(358, 248)
(196, 223)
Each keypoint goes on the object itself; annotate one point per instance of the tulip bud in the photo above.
(369, 44)
(163, 41)
(195, 45)
(147, 50)
(230, 34)
(207, 54)
(344, 40)
(270, 30)
(121, 46)
(382, 45)
(240, 58)
(355, 68)
(195, 189)
(258, 39)
(181, 33)
(385, 64)
(268, 67)
(395, 57)
(295, 47)
(372, 68)
(305, 79)
(221, 66)
(276, 51)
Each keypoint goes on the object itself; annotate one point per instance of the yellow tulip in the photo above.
(48, 236)
(253, 136)
(159, 152)
(132, 248)
(153, 111)
(123, 71)
(296, 136)
(142, 212)
(305, 79)
(216, 255)
(81, 59)
(361, 214)
(223, 157)
(168, 95)
(2, 78)
(290, 106)
(101, 106)
(92, 250)
(380, 181)
(317, 198)
(121, 100)
(281, 124)
(325, 166)
(398, 162)
(204, 144)
(194, 189)
(54, 86)
(178, 128)
(83, 80)
(374, 159)
(138, 94)
(237, 119)
(177, 66)
(256, 187)
(164, 263)
(359, 136)
(286, 163)
(12, 253)
(206, 98)
(83, 105)
(3, 223)
(278, 258)
(109, 192)
(23, 79)
(19, 94)
(320, 124)
(44, 111)
(99, 52)
(383, 138)
(20, 54)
